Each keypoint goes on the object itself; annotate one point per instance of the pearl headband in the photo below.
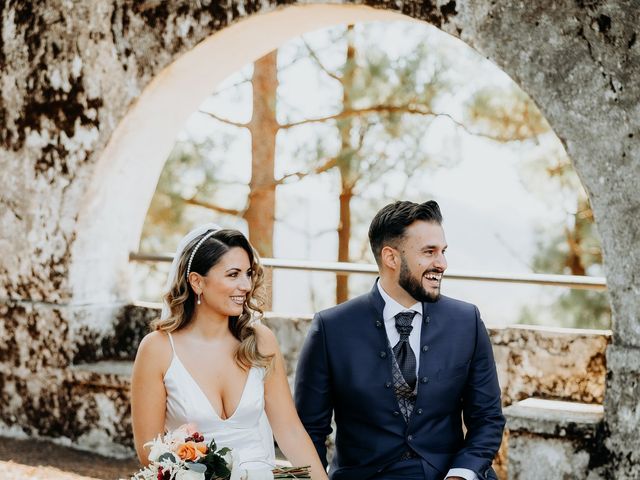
(195, 249)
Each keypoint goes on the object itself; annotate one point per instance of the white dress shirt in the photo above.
(391, 309)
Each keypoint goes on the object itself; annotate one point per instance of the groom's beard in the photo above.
(413, 286)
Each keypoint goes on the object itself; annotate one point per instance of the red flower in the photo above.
(195, 437)
(163, 475)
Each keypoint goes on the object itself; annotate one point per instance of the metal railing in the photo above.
(343, 268)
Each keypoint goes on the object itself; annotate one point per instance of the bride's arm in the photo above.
(148, 395)
(291, 436)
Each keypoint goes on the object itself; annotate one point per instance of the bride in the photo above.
(211, 363)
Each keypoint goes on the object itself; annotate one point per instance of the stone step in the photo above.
(554, 417)
(554, 440)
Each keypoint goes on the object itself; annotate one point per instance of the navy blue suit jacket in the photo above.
(345, 368)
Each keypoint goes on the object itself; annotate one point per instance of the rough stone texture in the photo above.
(291, 332)
(551, 363)
(86, 409)
(554, 418)
(43, 395)
(534, 458)
(71, 72)
(622, 408)
(555, 440)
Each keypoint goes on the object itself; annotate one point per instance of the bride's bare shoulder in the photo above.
(266, 339)
(155, 345)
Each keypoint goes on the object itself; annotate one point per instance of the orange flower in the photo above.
(190, 451)
(202, 448)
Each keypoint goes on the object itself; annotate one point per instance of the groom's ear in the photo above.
(389, 257)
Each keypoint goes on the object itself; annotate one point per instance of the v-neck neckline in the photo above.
(204, 395)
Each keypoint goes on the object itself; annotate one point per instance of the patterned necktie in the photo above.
(404, 355)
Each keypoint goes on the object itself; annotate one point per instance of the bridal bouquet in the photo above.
(182, 454)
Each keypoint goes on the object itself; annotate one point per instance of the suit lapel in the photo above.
(377, 303)
(382, 347)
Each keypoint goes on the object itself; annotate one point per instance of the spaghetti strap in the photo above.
(173, 348)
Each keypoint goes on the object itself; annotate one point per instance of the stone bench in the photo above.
(551, 439)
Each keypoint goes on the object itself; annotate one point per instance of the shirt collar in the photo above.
(392, 308)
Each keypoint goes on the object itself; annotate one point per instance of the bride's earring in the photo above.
(199, 301)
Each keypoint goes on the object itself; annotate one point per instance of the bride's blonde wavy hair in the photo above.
(181, 299)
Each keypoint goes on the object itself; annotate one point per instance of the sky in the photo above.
(490, 217)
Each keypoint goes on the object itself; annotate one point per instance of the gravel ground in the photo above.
(39, 460)
(15, 471)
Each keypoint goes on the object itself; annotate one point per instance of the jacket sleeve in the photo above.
(482, 409)
(313, 388)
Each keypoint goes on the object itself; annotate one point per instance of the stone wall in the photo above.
(553, 363)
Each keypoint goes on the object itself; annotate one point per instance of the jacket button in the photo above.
(410, 437)
(383, 354)
(419, 411)
(424, 379)
(425, 348)
(387, 385)
(427, 319)
(396, 413)
(378, 324)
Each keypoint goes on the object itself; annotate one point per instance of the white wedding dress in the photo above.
(247, 431)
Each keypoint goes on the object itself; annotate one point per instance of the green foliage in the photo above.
(505, 114)
(570, 245)
(191, 172)
(215, 463)
(397, 95)
(573, 309)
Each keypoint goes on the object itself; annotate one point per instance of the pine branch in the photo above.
(212, 206)
(354, 112)
(316, 59)
(224, 120)
(231, 87)
(410, 109)
(327, 165)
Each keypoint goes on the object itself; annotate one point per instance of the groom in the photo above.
(402, 366)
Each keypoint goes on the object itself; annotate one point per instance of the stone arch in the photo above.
(132, 160)
(71, 78)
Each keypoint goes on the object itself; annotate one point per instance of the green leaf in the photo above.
(196, 467)
(167, 456)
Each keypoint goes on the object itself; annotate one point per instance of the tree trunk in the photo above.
(344, 236)
(345, 161)
(575, 240)
(260, 212)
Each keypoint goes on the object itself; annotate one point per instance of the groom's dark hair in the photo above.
(390, 223)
